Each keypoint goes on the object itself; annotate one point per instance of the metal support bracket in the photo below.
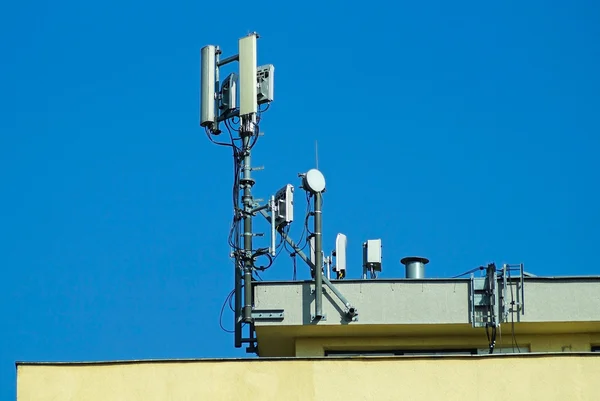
(323, 318)
(351, 311)
(267, 314)
(313, 317)
(352, 314)
(227, 60)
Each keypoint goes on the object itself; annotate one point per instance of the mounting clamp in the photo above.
(267, 314)
(351, 314)
(322, 318)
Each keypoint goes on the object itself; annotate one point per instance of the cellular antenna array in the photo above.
(219, 106)
(237, 103)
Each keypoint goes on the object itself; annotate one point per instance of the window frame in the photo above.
(403, 352)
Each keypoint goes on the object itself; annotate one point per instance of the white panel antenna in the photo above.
(229, 93)
(284, 199)
(265, 79)
(207, 86)
(340, 256)
(247, 66)
(371, 257)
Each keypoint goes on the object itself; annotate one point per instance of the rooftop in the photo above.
(420, 308)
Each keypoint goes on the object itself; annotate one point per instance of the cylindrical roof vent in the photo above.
(415, 266)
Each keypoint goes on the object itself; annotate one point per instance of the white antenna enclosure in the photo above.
(285, 205)
(314, 181)
(229, 93)
(372, 254)
(207, 85)
(265, 79)
(341, 242)
(248, 85)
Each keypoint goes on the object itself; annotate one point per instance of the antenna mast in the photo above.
(253, 86)
(219, 105)
(248, 126)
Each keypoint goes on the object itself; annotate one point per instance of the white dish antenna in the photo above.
(314, 181)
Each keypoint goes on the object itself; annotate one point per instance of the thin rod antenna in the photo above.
(316, 154)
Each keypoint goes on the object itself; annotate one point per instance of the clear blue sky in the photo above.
(466, 132)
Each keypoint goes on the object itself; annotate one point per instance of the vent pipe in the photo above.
(415, 266)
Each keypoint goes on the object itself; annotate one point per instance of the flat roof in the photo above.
(433, 279)
(419, 307)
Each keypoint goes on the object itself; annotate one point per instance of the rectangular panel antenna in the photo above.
(229, 93)
(248, 89)
(285, 206)
(207, 86)
(265, 78)
(372, 254)
(341, 242)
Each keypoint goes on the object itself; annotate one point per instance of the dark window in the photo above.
(595, 348)
(403, 352)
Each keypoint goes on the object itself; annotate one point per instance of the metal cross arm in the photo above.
(291, 242)
(351, 311)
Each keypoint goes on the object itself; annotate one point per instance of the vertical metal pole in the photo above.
(522, 273)
(238, 302)
(364, 273)
(318, 257)
(237, 324)
(491, 279)
(248, 110)
(504, 308)
(273, 234)
(473, 300)
(247, 182)
(237, 274)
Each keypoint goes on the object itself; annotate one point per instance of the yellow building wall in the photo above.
(520, 377)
